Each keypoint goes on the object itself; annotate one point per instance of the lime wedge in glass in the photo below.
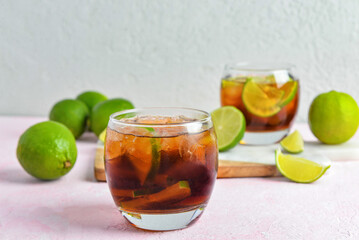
(290, 89)
(147, 155)
(299, 169)
(293, 143)
(261, 99)
(229, 124)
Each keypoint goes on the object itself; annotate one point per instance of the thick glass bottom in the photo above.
(264, 138)
(163, 221)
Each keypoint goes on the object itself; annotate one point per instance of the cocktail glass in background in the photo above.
(268, 96)
(161, 165)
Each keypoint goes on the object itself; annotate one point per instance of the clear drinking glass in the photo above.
(268, 96)
(161, 165)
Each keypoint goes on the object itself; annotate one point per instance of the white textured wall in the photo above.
(168, 53)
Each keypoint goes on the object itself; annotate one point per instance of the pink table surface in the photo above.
(78, 207)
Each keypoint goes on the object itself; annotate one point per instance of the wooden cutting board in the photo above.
(259, 161)
(226, 169)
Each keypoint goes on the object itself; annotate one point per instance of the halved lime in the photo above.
(229, 124)
(299, 169)
(261, 99)
(293, 143)
(290, 89)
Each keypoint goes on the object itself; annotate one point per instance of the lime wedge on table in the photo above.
(299, 169)
(293, 143)
(261, 99)
(229, 124)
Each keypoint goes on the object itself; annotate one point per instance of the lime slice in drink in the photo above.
(270, 79)
(233, 81)
(229, 124)
(173, 193)
(261, 99)
(299, 169)
(145, 154)
(293, 143)
(290, 89)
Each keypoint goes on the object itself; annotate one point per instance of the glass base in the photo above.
(264, 138)
(163, 222)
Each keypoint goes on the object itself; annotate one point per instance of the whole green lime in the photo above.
(102, 111)
(47, 150)
(72, 113)
(333, 117)
(91, 98)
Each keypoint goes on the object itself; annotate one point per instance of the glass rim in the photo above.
(205, 119)
(264, 66)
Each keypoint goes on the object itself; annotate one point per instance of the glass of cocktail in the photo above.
(161, 165)
(268, 96)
